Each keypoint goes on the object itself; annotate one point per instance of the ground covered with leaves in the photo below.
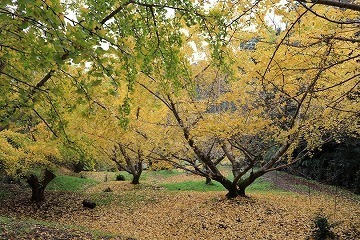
(30, 229)
(150, 211)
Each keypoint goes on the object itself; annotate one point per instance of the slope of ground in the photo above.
(292, 183)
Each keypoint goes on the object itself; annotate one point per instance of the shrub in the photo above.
(120, 177)
(322, 229)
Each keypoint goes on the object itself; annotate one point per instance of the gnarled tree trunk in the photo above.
(208, 181)
(229, 185)
(137, 173)
(133, 166)
(135, 179)
(243, 184)
(38, 187)
(235, 188)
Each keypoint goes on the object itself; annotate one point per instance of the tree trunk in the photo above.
(208, 178)
(208, 181)
(137, 173)
(37, 187)
(36, 194)
(232, 193)
(136, 178)
(241, 192)
(243, 184)
(229, 185)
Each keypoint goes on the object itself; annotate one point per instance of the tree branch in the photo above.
(47, 125)
(350, 6)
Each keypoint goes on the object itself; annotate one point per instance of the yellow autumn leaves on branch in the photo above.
(182, 82)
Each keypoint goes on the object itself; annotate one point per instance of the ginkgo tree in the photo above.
(107, 127)
(41, 41)
(264, 97)
(286, 75)
(44, 37)
(24, 153)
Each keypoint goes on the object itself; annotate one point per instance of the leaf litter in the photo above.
(149, 212)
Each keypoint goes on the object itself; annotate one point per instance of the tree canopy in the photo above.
(259, 84)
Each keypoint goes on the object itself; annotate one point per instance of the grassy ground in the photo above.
(70, 183)
(200, 186)
(170, 205)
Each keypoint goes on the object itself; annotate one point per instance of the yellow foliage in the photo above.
(19, 153)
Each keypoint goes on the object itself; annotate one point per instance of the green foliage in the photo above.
(21, 155)
(336, 164)
(120, 177)
(52, 65)
(124, 111)
(69, 183)
(323, 228)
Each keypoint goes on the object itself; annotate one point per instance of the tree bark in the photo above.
(228, 185)
(340, 4)
(137, 173)
(243, 184)
(208, 181)
(241, 192)
(37, 187)
(232, 193)
(135, 179)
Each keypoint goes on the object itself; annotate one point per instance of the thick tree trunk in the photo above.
(232, 193)
(241, 192)
(137, 173)
(243, 184)
(229, 185)
(207, 178)
(37, 187)
(238, 189)
(37, 194)
(208, 181)
(78, 167)
(136, 178)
